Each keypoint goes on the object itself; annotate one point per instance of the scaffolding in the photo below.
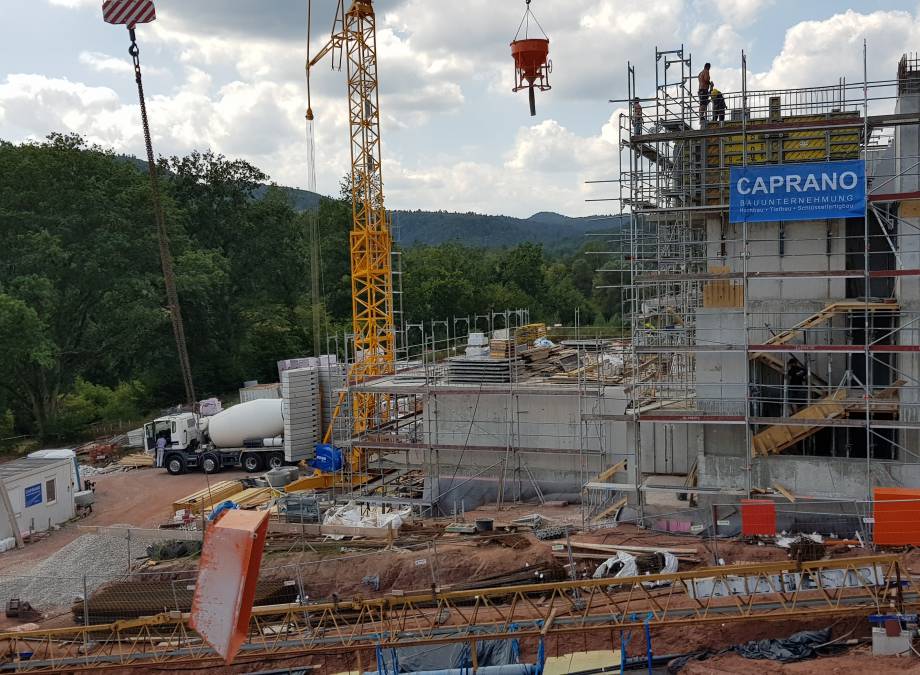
(785, 337)
(511, 430)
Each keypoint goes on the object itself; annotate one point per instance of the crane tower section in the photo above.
(371, 263)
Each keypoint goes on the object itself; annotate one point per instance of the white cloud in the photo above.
(76, 4)
(544, 170)
(723, 43)
(105, 63)
(820, 52)
(37, 105)
(740, 12)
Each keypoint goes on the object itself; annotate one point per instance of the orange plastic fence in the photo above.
(227, 576)
(758, 516)
(897, 519)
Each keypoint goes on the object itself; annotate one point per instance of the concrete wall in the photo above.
(565, 449)
(806, 248)
(807, 476)
(906, 150)
(45, 514)
(721, 377)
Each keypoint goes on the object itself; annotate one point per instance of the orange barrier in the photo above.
(758, 517)
(897, 521)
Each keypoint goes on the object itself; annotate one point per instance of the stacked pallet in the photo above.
(331, 383)
(477, 370)
(206, 498)
(504, 345)
(301, 409)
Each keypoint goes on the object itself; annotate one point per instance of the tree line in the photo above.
(84, 331)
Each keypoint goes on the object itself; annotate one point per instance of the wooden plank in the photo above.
(606, 474)
(784, 492)
(779, 437)
(639, 549)
(319, 530)
(218, 492)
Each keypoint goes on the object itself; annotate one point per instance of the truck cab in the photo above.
(180, 431)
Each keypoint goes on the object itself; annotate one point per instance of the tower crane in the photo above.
(354, 41)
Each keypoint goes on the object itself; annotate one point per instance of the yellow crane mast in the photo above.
(354, 35)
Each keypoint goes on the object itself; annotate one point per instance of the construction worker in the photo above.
(161, 450)
(705, 88)
(637, 117)
(718, 105)
(796, 375)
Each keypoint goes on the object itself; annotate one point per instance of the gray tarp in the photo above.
(445, 657)
(797, 647)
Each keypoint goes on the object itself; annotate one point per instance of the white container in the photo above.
(260, 418)
(60, 453)
(260, 391)
(477, 340)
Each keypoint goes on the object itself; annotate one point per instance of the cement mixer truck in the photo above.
(256, 435)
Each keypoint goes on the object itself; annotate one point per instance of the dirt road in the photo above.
(140, 497)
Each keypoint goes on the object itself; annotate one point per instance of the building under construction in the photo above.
(765, 357)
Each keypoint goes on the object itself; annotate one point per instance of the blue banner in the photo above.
(812, 191)
(33, 495)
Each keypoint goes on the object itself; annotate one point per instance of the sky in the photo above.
(228, 75)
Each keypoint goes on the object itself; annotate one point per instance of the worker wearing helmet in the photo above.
(718, 105)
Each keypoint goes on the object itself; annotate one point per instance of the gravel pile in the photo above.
(56, 581)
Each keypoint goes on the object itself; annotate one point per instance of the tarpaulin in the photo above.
(797, 647)
(489, 653)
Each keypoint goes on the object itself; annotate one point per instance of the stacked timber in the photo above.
(136, 460)
(505, 344)
(208, 497)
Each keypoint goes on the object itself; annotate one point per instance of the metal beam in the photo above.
(782, 590)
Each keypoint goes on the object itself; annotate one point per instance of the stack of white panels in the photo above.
(302, 412)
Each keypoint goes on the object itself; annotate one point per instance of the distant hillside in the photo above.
(553, 230)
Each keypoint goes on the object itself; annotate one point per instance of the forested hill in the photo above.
(85, 340)
(474, 229)
(411, 228)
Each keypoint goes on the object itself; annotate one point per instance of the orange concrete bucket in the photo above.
(530, 56)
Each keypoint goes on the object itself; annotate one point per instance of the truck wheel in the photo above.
(251, 462)
(210, 463)
(275, 460)
(175, 464)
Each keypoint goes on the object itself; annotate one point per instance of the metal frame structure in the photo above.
(686, 258)
(771, 591)
(370, 241)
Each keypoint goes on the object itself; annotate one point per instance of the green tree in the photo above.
(78, 271)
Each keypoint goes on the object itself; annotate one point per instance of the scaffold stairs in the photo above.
(830, 311)
(779, 437)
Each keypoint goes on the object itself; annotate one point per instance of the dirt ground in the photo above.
(856, 661)
(139, 497)
(143, 498)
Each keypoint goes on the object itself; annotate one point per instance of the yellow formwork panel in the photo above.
(787, 146)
